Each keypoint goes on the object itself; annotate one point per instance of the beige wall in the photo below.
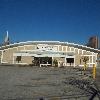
(89, 53)
(30, 47)
(80, 52)
(24, 60)
(8, 55)
(76, 51)
(60, 48)
(68, 48)
(84, 52)
(59, 59)
(72, 48)
(5, 56)
(64, 48)
(27, 60)
(77, 59)
(20, 48)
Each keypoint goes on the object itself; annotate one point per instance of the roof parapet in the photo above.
(58, 42)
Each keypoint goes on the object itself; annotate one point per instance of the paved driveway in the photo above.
(32, 83)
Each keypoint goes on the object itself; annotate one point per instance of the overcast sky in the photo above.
(62, 20)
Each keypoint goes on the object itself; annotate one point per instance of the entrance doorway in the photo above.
(70, 61)
(42, 60)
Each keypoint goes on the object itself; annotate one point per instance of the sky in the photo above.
(49, 20)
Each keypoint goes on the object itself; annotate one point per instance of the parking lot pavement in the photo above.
(32, 83)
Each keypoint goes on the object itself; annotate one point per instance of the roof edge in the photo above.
(58, 42)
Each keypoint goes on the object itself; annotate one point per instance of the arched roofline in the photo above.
(49, 42)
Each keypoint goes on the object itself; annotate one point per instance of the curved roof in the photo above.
(52, 43)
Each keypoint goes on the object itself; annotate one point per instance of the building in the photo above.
(46, 52)
(93, 42)
(98, 59)
(6, 40)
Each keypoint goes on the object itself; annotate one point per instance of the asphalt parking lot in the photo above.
(33, 83)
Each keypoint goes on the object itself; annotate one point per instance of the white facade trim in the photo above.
(57, 48)
(24, 47)
(2, 57)
(74, 49)
(87, 55)
(96, 58)
(69, 48)
(38, 55)
(89, 61)
(66, 48)
(22, 63)
(15, 48)
(82, 52)
(4, 62)
(28, 45)
(92, 59)
(78, 51)
(20, 46)
(58, 42)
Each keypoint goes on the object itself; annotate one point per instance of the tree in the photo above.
(85, 59)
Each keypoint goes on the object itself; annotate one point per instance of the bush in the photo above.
(55, 62)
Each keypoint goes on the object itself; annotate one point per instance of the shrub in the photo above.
(55, 62)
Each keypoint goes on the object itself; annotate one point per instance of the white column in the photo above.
(66, 48)
(74, 61)
(58, 48)
(96, 59)
(24, 47)
(94, 55)
(89, 61)
(82, 52)
(92, 59)
(1, 56)
(78, 51)
(74, 50)
(69, 48)
(62, 48)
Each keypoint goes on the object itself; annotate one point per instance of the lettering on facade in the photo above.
(46, 47)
